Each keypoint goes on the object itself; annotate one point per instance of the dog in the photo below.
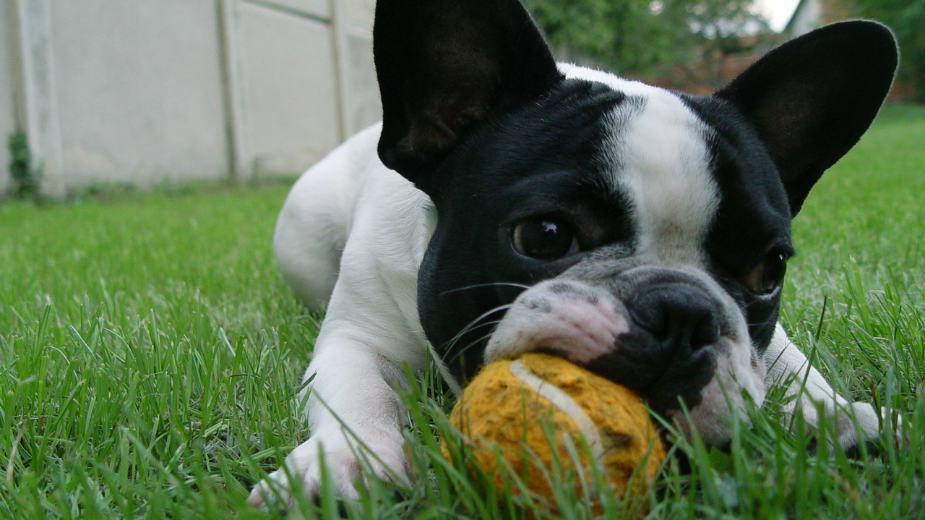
(509, 204)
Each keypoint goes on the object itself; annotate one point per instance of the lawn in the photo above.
(150, 352)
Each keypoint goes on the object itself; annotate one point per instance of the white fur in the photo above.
(807, 389)
(722, 399)
(575, 327)
(661, 160)
(663, 163)
(665, 167)
(350, 201)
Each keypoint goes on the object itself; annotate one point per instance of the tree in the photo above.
(621, 35)
(907, 19)
(639, 36)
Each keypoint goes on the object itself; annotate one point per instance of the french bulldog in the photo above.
(509, 204)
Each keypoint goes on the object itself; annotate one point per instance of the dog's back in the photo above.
(316, 218)
(325, 208)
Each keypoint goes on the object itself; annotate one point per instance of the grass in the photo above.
(149, 357)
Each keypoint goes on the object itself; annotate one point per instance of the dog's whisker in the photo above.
(473, 328)
(470, 345)
(483, 285)
(481, 317)
(468, 326)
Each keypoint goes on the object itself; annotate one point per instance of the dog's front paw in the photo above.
(343, 462)
(861, 427)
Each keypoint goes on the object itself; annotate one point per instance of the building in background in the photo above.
(139, 93)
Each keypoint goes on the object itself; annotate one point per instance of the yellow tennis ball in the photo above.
(516, 408)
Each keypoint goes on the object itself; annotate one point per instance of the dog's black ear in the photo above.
(812, 98)
(446, 65)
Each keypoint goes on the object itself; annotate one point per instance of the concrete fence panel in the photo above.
(359, 87)
(289, 111)
(8, 53)
(141, 92)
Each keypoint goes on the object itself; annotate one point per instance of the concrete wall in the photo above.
(359, 86)
(138, 87)
(7, 91)
(140, 92)
(289, 109)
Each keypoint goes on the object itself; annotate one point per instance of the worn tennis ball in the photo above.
(541, 414)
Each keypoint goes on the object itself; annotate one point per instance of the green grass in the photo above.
(149, 356)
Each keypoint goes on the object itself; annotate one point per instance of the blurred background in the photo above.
(102, 94)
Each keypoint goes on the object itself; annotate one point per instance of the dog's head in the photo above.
(639, 232)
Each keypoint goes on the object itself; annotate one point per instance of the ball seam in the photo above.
(564, 403)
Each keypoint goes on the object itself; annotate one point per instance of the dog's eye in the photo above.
(544, 239)
(767, 276)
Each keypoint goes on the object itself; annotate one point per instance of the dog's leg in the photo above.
(354, 419)
(369, 334)
(807, 388)
(354, 413)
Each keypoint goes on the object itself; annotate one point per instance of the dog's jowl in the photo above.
(509, 204)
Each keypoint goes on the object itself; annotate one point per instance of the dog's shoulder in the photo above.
(388, 214)
(349, 213)
(350, 191)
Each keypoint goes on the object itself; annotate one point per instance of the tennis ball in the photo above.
(543, 414)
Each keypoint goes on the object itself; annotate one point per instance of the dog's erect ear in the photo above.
(444, 66)
(812, 98)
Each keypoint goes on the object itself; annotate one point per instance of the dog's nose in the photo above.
(681, 316)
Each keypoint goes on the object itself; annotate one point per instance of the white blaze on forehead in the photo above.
(664, 165)
(657, 150)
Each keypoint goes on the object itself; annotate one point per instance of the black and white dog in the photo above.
(518, 205)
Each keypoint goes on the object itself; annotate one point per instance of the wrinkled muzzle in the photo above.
(671, 335)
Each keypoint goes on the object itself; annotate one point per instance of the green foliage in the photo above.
(907, 19)
(622, 35)
(25, 178)
(638, 36)
(693, 38)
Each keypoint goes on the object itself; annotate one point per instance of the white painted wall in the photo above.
(7, 92)
(138, 87)
(140, 92)
(290, 103)
(359, 86)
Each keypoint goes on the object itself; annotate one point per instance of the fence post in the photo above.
(340, 66)
(40, 104)
(231, 86)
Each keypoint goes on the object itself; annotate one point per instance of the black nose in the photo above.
(679, 316)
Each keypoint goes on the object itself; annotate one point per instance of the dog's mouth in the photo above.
(668, 341)
(584, 323)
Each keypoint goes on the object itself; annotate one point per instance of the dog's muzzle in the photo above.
(663, 333)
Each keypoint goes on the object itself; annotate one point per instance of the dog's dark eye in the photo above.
(544, 239)
(767, 276)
